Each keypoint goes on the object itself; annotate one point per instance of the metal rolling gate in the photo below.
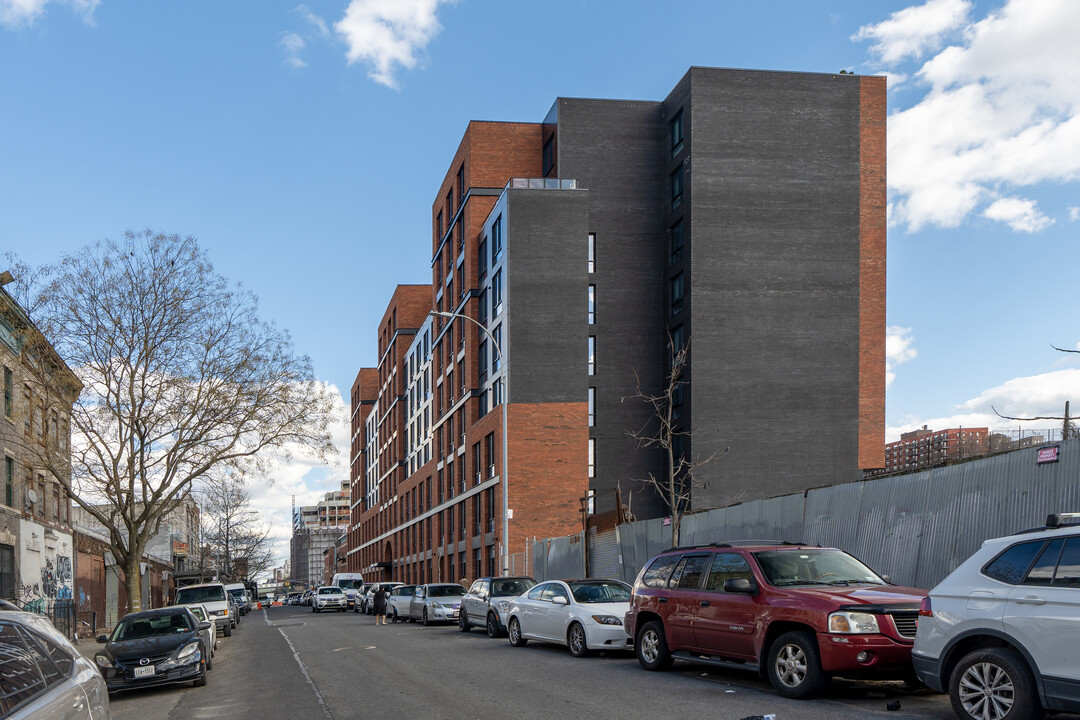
(605, 555)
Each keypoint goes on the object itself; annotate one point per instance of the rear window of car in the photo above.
(1012, 565)
(656, 576)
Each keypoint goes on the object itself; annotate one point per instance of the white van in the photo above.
(240, 595)
(349, 583)
(216, 600)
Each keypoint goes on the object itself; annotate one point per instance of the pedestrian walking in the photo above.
(379, 599)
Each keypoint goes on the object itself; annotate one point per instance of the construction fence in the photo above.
(915, 528)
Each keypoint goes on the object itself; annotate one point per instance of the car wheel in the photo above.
(463, 621)
(794, 666)
(575, 640)
(492, 625)
(210, 663)
(994, 684)
(514, 631)
(425, 620)
(651, 647)
(228, 630)
(201, 680)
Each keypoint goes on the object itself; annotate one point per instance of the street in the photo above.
(287, 662)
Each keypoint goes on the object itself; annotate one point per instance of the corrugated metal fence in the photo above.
(915, 528)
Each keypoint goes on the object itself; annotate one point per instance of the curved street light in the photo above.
(505, 385)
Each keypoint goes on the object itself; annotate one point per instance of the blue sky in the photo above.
(303, 145)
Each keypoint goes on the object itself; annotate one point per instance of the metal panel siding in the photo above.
(604, 554)
(915, 528)
(556, 558)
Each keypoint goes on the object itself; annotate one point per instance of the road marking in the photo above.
(318, 695)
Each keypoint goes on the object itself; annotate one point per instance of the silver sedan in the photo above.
(436, 602)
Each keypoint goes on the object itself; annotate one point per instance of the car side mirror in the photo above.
(560, 600)
(887, 579)
(103, 639)
(205, 625)
(742, 586)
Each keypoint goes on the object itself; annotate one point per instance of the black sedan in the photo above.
(155, 647)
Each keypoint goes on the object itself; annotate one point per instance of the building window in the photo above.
(7, 572)
(592, 457)
(481, 361)
(9, 482)
(450, 206)
(461, 182)
(482, 306)
(41, 497)
(592, 407)
(489, 453)
(592, 252)
(548, 156)
(482, 259)
(592, 354)
(676, 242)
(590, 502)
(496, 240)
(592, 304)
(678, 341)
(496, 351)
(438, 226)
(676, 187)
(56, 503)
(9, 389)
(677, 294)
(677, 400)
(496, 294)
(677, 133)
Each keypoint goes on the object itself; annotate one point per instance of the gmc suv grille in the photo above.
(905, 624)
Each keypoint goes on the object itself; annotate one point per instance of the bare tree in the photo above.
(666, 433)
(232, 531)
(1069, 429)
(180, 380)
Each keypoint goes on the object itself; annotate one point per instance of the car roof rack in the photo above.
(737, 543)
(1055, 521)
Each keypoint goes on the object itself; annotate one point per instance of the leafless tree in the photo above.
(232, 531)
(663, 431)
(1069, 429)
(180, 380)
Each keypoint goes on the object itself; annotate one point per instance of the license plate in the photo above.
(144, 671)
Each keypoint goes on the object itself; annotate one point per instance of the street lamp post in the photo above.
(505, 381)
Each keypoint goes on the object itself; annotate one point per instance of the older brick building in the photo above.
(746, 210)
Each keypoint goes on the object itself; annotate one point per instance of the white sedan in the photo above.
(199, 611)
(584, 615)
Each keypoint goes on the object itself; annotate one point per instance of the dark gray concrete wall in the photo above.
(773, 279)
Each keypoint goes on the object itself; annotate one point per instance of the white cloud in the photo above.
(911, 32)
(314, 20)
(1074, 214)
(387, 34)
(899, 348)
(293, 44)
(23, 13)
(1020, 214)
(1002, 110)
(1037, 395)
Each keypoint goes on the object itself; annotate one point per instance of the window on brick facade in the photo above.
(677, 294)
(9, 392)
(496, 240)
(496, 350)
(592, 407)
(592, 457)
(592, 354)
(496, 293)
(548, 156)
(676, 242)
(677, 133)
(481, 259)
(592, 304)
(677, 179)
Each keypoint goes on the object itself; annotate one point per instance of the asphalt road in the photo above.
(288, 662)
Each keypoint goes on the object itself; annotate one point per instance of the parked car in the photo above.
(329, 597)
(44, 675)
(436, 602)
(240, 596)
(398, 601)
(305, 598)
(487, 603)
(584, 615)
(1000, 633)
(797, 614)
(369, 597)
(203, 615)
(216, 601)
(154, 647)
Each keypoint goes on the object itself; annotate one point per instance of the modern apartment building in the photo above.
(744, 214)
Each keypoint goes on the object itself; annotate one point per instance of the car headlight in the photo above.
(188, 650)
(853, 623)
(503, 605)
(103, 661)
(607, 619)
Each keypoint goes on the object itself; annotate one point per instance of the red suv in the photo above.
(797, 614)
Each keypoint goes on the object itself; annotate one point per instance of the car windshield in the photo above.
(600, 592)
(152, 626)
(329, 591)
(510, 587)
(213, 593)
(350, 584)
(814, 567)
(445, 590)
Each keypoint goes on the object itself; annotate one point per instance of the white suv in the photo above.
(1001, 634)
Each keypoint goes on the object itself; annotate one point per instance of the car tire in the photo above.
(794, 666)
(463, 621)
(228, 630)
(492, 625)
(651, 647)
(514, 631)
(575, 640)
(425, 620)
(210, 664)
(201, 680)
(982, 675)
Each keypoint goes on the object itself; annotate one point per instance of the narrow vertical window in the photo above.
(496, 240)
(677, 294)
(676, 242)
(548, 156)
(592, 304)
(592, 252)
(678, 342)
(592, 407)
(496, 293)
(677, 133)
(592, 354)
(481, 270)
(461, 182)
(9, 482)
(592, 457)
(9, 389)
(676, 187)
(496, 351)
